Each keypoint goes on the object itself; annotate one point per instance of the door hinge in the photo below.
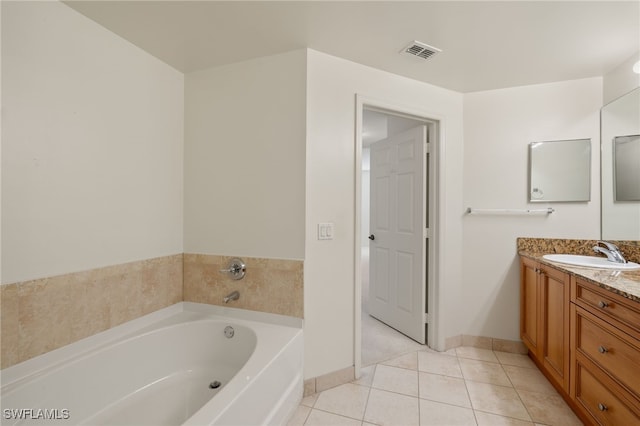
(427, 318)
(427, 233)
(426, 147)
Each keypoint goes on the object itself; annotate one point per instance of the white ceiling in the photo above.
(486, 45)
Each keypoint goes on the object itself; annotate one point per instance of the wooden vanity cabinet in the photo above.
(585, 339)
(544, 320)
(605, 354)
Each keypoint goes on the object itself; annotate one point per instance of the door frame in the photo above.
(434, 128)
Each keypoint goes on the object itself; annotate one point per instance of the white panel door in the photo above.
(397, 269)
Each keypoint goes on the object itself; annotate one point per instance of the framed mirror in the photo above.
(560, 171)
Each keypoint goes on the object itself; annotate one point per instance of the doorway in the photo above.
(382, 338)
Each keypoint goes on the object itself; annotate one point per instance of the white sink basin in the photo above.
(590, 261)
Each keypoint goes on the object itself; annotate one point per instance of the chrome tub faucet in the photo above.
(232, 296)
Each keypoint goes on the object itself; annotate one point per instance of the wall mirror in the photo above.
(619, 168)
(560, 171)
(626, 168)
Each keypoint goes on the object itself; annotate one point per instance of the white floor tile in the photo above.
(487, 419)
(449, 390)
(391, 409)
(381, 343)
(501, 400)
(346, 400)
(437, 414)
(322, 418)
(430, 362)
(549, 409)
(476, 353)
(300, 416)
(394, 379)
(408, 361)
(426, 387)
(529, 379)
(518, 360)
(485, 372)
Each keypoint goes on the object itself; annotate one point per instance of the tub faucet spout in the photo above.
(233, 296)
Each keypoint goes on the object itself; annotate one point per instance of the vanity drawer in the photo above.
(607, 305)
(614, 351)
(599, 399)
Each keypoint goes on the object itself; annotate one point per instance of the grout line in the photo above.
(470, 400)
(314, 400)
(509, 417)
(518, 394)
(398, 393)
(366, 404)
(400, 354)
(307, 416)
(335, 414)
(418, 398)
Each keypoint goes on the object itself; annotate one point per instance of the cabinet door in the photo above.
(530, 325)
(555, 286)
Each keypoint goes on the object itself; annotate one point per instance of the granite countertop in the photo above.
(624, 283)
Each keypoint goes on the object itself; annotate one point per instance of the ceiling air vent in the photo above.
(420, 50)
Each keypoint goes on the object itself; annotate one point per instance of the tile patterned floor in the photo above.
(381, 342)
(463, 386)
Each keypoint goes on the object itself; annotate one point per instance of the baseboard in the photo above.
(483, 342)
(328, 381)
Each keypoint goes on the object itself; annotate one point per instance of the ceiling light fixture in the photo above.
(636, 67)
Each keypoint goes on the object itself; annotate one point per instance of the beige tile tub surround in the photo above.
(270, 285)
(41, 315)
(45, 314)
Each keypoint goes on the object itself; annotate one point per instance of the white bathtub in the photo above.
(157, 370)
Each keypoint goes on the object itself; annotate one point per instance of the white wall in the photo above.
(0, 147)
(245, 158)
(621, 79)
(332, 85)
(498, 126)
(92, 143)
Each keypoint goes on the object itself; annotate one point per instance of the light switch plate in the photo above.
(325, 231)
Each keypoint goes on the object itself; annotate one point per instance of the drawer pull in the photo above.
(603, 304)
(603, 350)
(602, 407)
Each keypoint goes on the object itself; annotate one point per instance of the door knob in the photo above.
(372, 237)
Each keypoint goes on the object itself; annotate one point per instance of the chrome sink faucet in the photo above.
(612, 252)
